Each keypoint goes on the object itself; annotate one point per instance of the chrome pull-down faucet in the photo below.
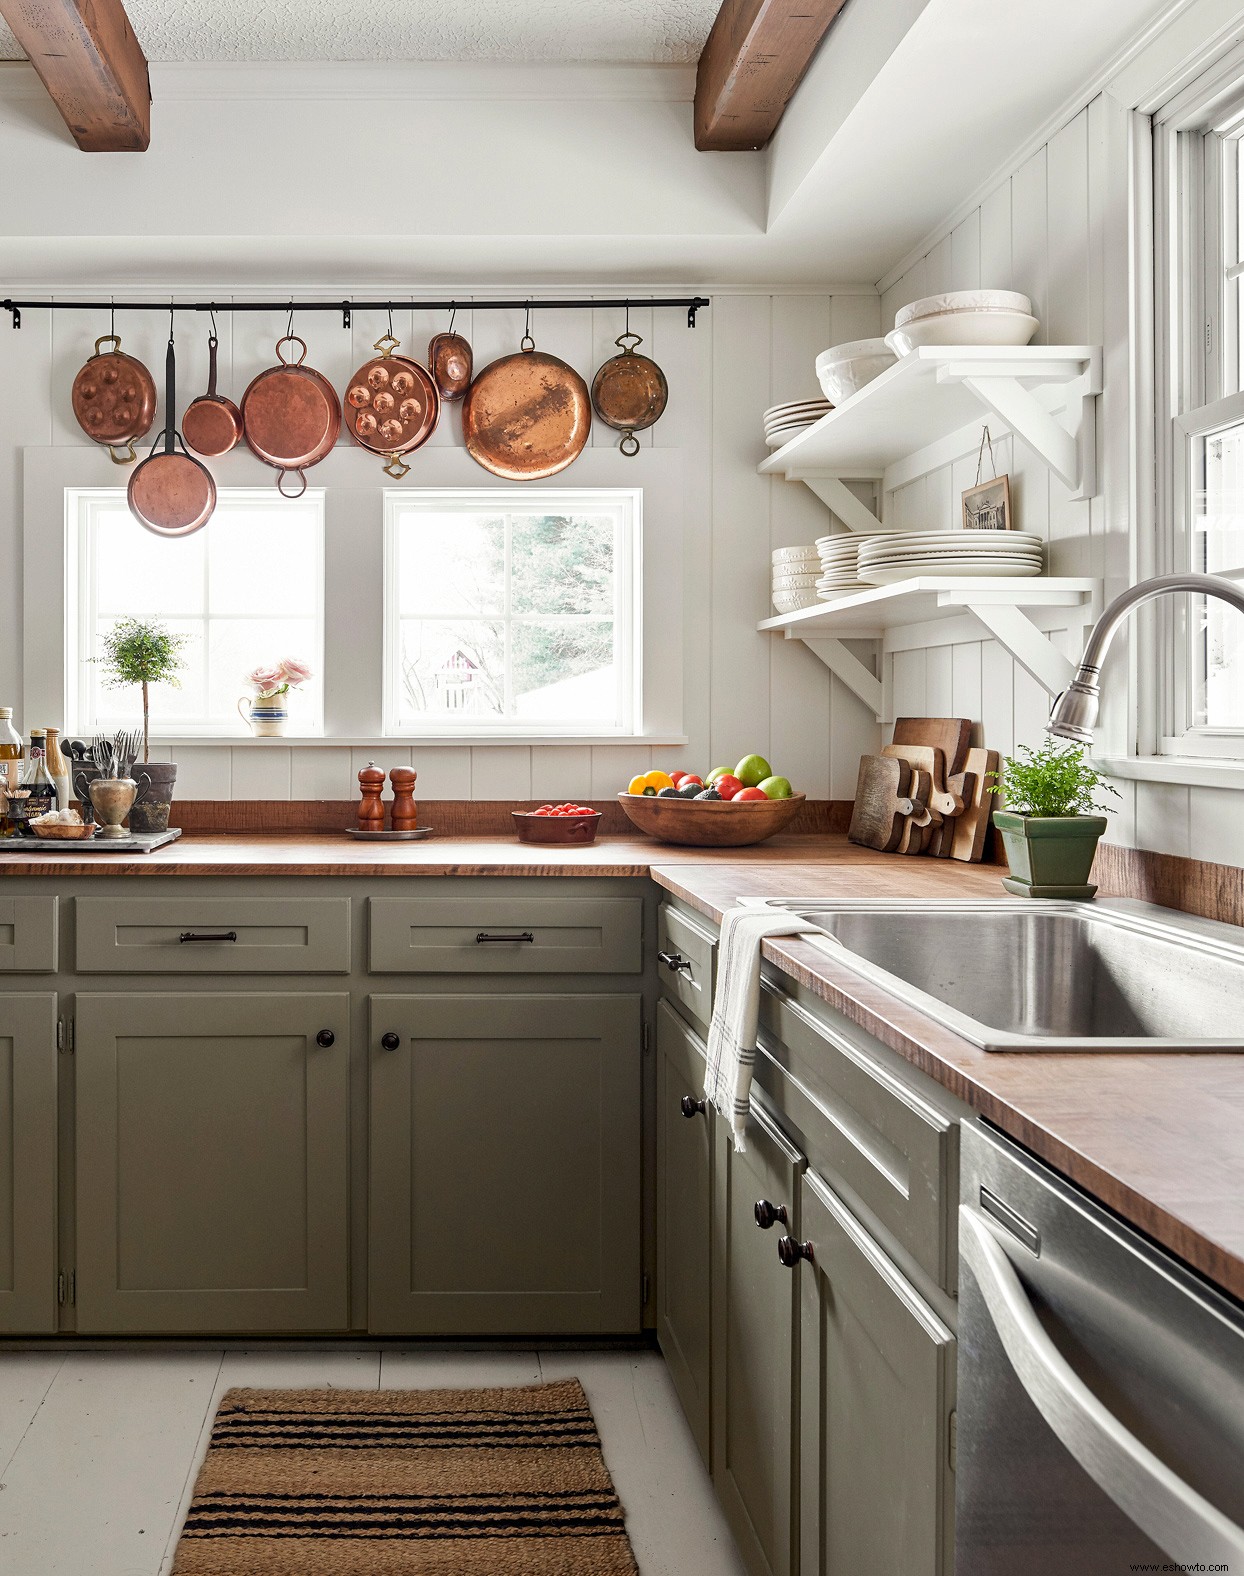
(1074, 713)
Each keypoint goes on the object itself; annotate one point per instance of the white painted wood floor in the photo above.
(99, 1449)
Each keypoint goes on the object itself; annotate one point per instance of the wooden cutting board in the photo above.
(973, 824)
(929, 759)
(951, 735)
(882, 803)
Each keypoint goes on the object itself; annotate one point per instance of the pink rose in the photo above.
(266, 680)
(293, 671)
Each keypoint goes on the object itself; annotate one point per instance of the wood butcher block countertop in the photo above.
(1159, 1138)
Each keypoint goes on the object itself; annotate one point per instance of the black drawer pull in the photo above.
(483, 936)
(674, 961)
(690, 1106)
(768, 1215)
(208, 935)
(790, 1251)
(325, 1038)
(390, 1041)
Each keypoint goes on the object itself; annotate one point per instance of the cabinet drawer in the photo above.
(896, 1154)
(505, 935)
(28, 935)
(212, 936)
(686, 958)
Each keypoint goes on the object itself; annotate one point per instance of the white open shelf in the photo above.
(921, 412)
(998, 603)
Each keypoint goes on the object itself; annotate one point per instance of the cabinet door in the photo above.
(877, 1376)
(505, 1165)
(212, 1179)
(755, 1353)
(684, 1220)
(27, 1163)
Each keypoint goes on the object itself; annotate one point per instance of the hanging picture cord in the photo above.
(980, 458)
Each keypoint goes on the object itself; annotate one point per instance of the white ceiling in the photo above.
(639, 31)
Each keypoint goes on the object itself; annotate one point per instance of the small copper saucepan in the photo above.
(171, 493)
(212, 424)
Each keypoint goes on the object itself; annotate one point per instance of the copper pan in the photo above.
(392, 406)
(171, 494)
(291, 417)
(212, 424)
(114, 399)
(450, 362)
(526, 416)
(629, 392)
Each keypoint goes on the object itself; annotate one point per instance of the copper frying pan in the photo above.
(171, 494)
(526, 416)
(291, 416)
(629, 392)
(212, 424)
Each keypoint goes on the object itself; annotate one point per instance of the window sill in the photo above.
(235, 741)
(1198, 772)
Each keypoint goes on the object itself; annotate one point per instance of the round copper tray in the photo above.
(526, 416)
(629, 392)
(391, 406)
(114, 398)
(291, 416)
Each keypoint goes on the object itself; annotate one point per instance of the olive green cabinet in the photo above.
(755, 1344)
(876, 1380)
(505, 1164)
(27, 1163)
(212, 1135)
(684, 1133)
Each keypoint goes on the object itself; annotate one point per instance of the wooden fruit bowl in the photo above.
(64, 834)
(710, 823)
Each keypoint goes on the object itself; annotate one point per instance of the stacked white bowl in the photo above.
(796, 571)
(783, 422)
(963, 317)
(840, 563)
(899, 555)
(845, 369)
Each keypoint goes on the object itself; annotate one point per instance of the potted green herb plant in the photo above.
(146, 653)
(1052, 822)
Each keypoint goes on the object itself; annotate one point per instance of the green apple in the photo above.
(717, 771)
(752, 771)
(775, 788)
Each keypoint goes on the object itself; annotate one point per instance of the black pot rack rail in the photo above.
(690, 304)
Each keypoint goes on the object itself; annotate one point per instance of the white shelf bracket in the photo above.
(1030, 647)
(838, 497)
(1072, 457)
(848, 667)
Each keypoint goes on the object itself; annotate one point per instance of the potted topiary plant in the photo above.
(1052, 822)
(146, 653)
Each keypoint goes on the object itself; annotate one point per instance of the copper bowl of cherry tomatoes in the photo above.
(557, 823)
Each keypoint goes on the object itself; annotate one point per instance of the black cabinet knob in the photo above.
(326, 1037)
(390, 1041)
(790, 1251)
(692, 1107)
(675, 962)
(768, 1215)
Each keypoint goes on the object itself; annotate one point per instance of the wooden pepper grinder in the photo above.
(405, 816)
(371, 808)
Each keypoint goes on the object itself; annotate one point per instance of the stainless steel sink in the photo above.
(1046, 976)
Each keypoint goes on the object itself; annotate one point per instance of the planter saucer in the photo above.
(1073, 893)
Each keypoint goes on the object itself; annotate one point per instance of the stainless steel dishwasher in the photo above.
(1101, 1387)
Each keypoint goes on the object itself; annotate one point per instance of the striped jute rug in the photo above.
(405, 1483)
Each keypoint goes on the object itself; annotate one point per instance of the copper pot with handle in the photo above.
(114, 399)
(450, 361)
(392, 406)
(629, 392)
(291, 416)
(171, 493)
(212, 424)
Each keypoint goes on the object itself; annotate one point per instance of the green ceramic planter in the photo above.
(1049, 856)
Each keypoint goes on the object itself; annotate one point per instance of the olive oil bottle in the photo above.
(10, 768)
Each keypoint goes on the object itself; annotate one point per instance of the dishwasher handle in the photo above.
(1165, 1508)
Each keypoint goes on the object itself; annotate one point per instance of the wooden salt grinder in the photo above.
(405, 816)
(371, 808)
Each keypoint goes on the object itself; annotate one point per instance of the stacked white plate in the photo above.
(840, 562)
(783, 422)
(796, 571)
(900, 555)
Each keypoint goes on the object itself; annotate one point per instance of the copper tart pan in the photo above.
(392, 406)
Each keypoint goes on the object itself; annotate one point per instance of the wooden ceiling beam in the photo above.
(93, 67)
(752, 62)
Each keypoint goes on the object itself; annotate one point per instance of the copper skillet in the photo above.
(171, 494)
(212, 424)
(526, 416)
(291, 416)
(629, 392)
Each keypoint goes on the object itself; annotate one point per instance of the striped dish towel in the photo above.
(736, 1009)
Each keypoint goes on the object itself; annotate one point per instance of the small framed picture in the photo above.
(987, 506)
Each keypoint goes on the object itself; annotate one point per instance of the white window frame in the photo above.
(1196, 152)
(627, 608)
(81, 507)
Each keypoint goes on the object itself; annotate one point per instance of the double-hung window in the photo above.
(1199, 214)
